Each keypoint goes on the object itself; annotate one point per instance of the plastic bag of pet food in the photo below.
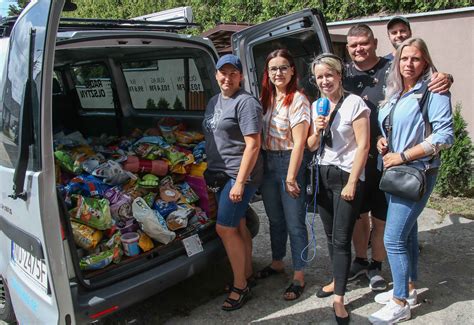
(92, 212)
(120, 203)
(164, 208)
(150, 198)
(85, 237)
(115, 244)
(97, 261)
(112, 173)
(198, 184)
(149, 222)
(199, 152)
(157, 140)
(167, 132)
(187, 192)
(145, 242)
(87, 185)
(92, 162)
(65, 160)
(179, 219)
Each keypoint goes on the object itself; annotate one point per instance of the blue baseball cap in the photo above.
(229, 59)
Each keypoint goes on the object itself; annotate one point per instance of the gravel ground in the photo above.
(446, 285)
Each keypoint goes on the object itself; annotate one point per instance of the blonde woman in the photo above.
(341, 170)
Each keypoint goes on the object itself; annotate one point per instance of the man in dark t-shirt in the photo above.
(365, 76)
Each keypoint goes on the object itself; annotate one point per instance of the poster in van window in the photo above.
(163, 85)
(96, 93)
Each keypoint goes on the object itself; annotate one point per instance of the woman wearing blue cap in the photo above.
(232, 127)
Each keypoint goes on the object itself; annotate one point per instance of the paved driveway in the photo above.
(446, 282)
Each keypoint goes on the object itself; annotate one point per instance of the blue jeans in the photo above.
(285, 214)
(401, 237)
(229, 213)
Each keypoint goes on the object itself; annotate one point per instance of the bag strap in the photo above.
(331, 120)
(422, 103)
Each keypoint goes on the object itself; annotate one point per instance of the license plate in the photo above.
(34, 268)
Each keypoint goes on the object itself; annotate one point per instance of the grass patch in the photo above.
(460, 206)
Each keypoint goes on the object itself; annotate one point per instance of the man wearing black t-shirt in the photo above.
(365, 76)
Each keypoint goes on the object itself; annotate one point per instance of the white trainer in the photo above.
(391, 313)
(385, 297)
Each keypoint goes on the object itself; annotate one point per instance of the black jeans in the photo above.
(338, 217)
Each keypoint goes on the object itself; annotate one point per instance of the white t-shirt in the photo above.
(344, 146)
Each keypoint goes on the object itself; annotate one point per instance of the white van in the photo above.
(104, 77)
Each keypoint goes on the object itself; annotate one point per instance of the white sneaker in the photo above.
(385, 297)
(391, 313)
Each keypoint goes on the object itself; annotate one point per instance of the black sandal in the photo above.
(296, 288)
(244, 296)
(251, 283)
(266, 272)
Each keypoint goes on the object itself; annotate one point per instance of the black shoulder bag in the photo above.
(403, 180)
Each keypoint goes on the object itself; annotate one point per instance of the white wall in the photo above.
(450, 39)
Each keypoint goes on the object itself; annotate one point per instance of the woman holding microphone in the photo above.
(343, 141)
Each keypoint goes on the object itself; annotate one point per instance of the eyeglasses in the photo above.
(283, 69)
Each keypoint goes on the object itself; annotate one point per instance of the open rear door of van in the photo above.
(303, 33)
(32, 262)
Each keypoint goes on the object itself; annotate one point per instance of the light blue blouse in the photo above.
(408, 126)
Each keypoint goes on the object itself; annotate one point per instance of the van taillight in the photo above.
(104, 312)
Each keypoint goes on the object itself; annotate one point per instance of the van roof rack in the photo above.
(69, 24)
(75, 24)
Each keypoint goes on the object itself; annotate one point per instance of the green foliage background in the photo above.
(455, 173)
(209, 12)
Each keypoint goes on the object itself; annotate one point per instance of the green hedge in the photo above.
(455, 174)
(209, 12)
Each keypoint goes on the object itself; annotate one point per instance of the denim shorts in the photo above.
(229, 214)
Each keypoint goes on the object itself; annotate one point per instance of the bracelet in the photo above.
(450, 78)
(290, 183)
(404, 158)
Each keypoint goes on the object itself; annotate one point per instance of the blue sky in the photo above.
(4, 4)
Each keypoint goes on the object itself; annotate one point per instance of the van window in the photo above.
(7, 146)
(93, 86)
(3, 62)
(167, 84)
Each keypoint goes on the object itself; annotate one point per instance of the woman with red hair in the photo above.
(285, 129)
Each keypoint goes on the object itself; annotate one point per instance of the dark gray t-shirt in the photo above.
(226, 122)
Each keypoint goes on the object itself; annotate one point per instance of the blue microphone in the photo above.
(322, 106)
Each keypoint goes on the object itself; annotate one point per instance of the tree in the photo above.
(16, 10)
(455, 173)
(178, 104)
(150, 104)
(209, 12)
(163, 104)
